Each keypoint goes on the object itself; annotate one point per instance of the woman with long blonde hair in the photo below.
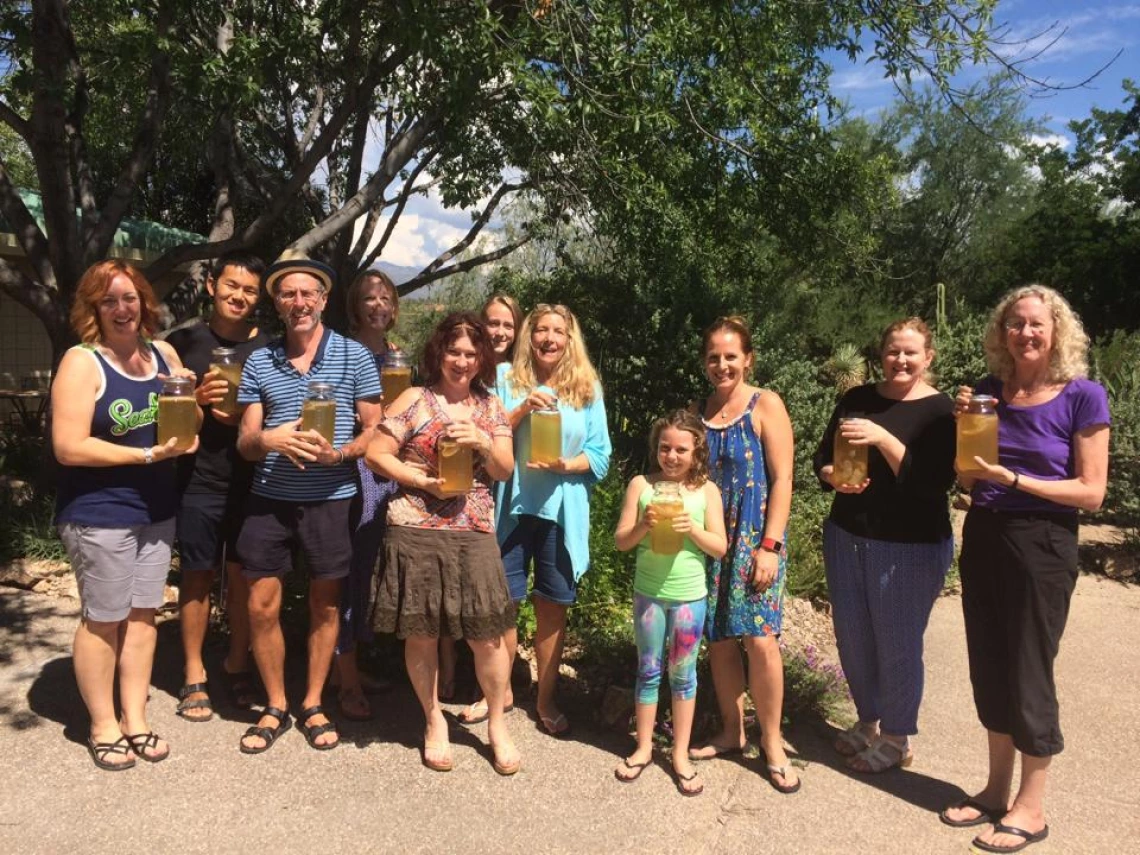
(543, 511)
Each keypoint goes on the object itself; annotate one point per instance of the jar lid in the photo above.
(321, 388)
(983, 399)
(395, 358)
(221, 352)
(177, 386)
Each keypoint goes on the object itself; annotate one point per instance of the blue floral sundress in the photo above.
(737, 466)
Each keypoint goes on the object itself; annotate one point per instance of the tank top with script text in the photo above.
(126, 413)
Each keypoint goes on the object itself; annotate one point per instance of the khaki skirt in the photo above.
(436, 582)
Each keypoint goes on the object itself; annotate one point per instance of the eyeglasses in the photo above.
(307, 297)
(1035, 327)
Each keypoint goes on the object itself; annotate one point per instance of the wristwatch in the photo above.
(148, 455)
(770, 544)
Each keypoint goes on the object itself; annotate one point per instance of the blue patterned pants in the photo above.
(881, 597)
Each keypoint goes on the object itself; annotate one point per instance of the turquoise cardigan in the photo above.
(564, 499)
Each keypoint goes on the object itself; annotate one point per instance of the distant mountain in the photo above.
(400, 273)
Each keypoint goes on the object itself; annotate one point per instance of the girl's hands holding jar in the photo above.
(539, 400)
(864, 432)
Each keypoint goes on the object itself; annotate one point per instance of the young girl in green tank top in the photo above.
(669, 584)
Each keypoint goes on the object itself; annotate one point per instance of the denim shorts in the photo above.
(272, 528)
(543, 543)
(207, 522)
(118, 569)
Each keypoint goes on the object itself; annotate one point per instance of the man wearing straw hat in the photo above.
(302, 486)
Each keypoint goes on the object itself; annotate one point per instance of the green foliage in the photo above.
(1116, 364)
(27, 503)
(815, 687)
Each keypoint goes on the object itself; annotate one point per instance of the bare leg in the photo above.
(549, 640)
(1028, 810)
(475, 711)
(137, 638)
(999, 783)
(683, 713)
(194, 618)
(268, 647)
(324, 622)
(421, 655)
(492, 669)
(95, 653)
(237, 597)
(645, 716)
(446, 668)
(728, 683)
(766, 680)
(350, 692)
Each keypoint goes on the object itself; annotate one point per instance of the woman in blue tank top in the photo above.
(116, 501)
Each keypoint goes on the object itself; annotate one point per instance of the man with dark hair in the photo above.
(302, 487)
(213, 485)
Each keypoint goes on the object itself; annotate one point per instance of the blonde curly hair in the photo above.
(575, 380)
(1068, 358)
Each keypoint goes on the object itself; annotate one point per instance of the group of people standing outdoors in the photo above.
(391, 546)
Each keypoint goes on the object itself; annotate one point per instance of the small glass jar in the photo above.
(546, 435)
(668, 503)
(977, 434)
(395, 375)
(177, 412)
(224, 360)
(319, 410)
(849, 462)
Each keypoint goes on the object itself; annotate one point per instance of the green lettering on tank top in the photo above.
(126, 419)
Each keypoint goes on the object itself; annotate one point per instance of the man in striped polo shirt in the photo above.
(302, 486)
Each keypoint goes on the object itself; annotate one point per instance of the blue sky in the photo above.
(1059, 43)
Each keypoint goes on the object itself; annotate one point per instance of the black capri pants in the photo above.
(1018, 574)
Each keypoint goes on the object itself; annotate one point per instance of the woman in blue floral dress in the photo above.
(750, 460)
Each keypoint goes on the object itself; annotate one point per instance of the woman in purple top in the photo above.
(1019, 549)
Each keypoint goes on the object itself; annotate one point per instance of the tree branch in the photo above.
(424, 277)
(32, 239)
(15, 121)
(406, 193)
(476, 227)
(98, 240)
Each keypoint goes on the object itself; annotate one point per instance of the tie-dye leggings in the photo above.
(681, 624)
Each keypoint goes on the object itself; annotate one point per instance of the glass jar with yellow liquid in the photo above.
(668, 503)
(977, 431)
(546, 435)
(177, 412)
(395, 375)
(455, 465)
(849, 462)
(319, 410)
(224, 361)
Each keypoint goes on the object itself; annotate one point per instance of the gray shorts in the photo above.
(119, 569)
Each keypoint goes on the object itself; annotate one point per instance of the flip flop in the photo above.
(637, 769)
(508, 769)
(439, 765)
(484, 713)
(558, 727)
(1027, 838)
(681, 780)
(718, 751)
(782, 771)
(985, 815)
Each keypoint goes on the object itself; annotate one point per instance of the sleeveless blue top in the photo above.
(126, 413)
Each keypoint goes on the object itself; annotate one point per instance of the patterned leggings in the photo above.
(682, 624)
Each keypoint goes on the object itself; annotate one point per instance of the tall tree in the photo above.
(322, 114)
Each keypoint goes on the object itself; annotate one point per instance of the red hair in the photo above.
(93, 287)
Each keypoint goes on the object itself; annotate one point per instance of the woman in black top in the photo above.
(887, 542)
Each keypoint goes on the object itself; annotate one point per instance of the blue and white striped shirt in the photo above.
(271, 380)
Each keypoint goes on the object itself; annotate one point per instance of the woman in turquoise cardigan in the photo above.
(543, 511)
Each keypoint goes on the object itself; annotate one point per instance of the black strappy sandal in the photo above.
(185, 705)
(140, 742)
(268, 734)
(100, 750)
(313, 731)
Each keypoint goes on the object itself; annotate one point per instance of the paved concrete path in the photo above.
(372, 795)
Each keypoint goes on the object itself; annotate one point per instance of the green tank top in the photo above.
(680, 577)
